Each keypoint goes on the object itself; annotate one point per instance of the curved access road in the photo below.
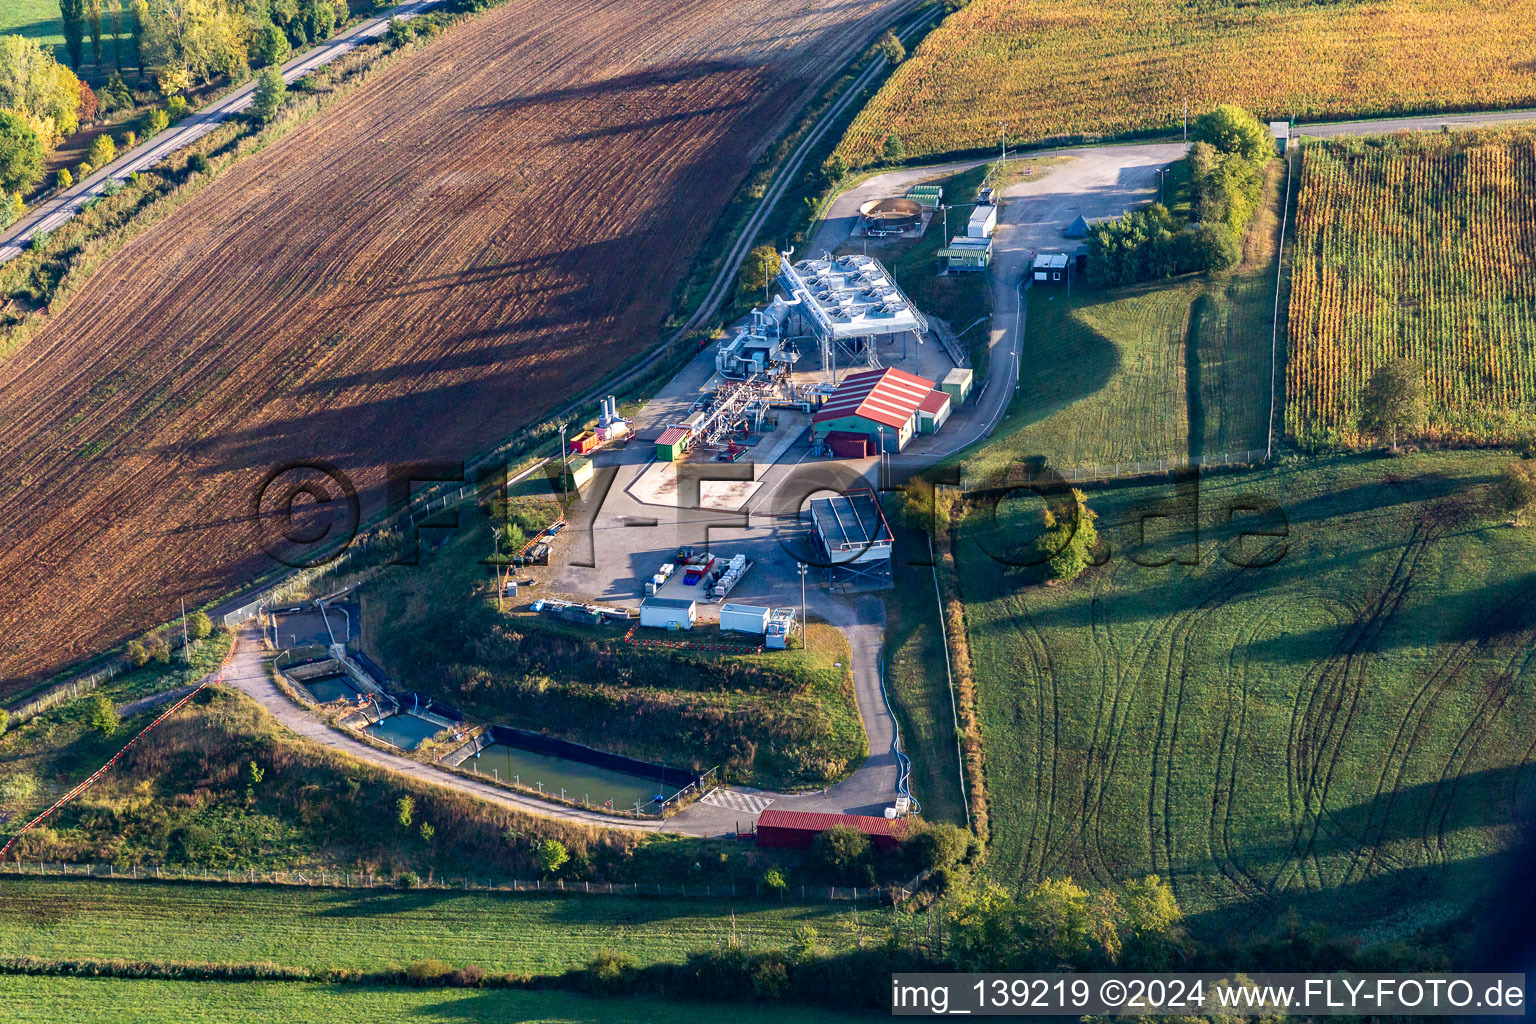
(50, 215)
(248, 673)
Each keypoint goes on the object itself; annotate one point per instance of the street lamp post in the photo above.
(805, 637)
(1162, 173)
(1002, 127)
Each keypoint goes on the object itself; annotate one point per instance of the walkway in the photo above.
(248, 673)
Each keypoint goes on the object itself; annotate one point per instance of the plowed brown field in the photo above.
(484, 229)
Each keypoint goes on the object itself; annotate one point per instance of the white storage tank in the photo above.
(668, 613)
(744, 618)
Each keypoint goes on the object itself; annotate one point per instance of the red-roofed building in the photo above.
(797, 830)
(933, 412)
(880, 404)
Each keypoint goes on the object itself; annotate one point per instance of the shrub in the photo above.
(104, 717)
(610, 974)
(427, 832)
(138, 654)
(1516, 491)
(1214, 247)
(890, 47)
(468, 976)
(844, 853)
(427, 972)
(775, 881)
(102, 152)
(199, 626)
(405, 807)
(400, 32)
(893, 149)
(5, 720)
(408, 880)
(552, 855)
(154, 121)
(176, 106)
(65, 179)
(198, 164)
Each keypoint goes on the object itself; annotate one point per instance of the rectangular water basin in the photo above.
(404, 730)
(581, 781)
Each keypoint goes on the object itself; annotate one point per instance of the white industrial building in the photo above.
(668, 612)
(744, 618)
(848, 302)
(982, 223)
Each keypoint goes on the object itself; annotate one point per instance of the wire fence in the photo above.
(1144, 467)
(63, 693)
(320, 878)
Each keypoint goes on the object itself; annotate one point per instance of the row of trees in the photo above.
(184, 42)
(1225, 168)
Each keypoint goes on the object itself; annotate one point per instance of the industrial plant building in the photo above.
(852, 536)
(873, 411)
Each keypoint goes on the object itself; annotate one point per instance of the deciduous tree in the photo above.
(271, 90)
(21, 153)
(73, 14)
(1393, 402)
(1231, 129)
(759, 269)
(1516, 489)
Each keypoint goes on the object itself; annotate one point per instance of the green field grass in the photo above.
(1172, 369)
(523, 933)
(115, 1001)
(1347, 732)
(919, 688)
(35, 19)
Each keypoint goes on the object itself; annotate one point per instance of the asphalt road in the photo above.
(48, 216)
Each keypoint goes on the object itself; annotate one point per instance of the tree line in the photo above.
(1225, 169)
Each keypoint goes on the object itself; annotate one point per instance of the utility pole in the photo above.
(186, 646)
(1003, 129)
(805, 637)
(1186, 118)
(565, 474)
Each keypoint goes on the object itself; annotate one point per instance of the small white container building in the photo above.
(982, 223)
(668, 613)
(744, 618)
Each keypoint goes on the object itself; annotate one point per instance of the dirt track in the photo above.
(481, 230)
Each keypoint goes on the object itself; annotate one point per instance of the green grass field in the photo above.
(1165, 370)
(523, 933)
(35, 19)
(116, 1001)
(1347, 732)
(919, 688)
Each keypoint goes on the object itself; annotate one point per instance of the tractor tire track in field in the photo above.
(1400, 753)
(422, 269)
(1329, 698)
(1229, 757)
(1496, 694)
(1182, 639)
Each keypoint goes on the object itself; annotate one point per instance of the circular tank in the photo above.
(891, 214)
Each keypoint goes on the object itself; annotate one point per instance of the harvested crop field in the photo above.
(482, 230)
